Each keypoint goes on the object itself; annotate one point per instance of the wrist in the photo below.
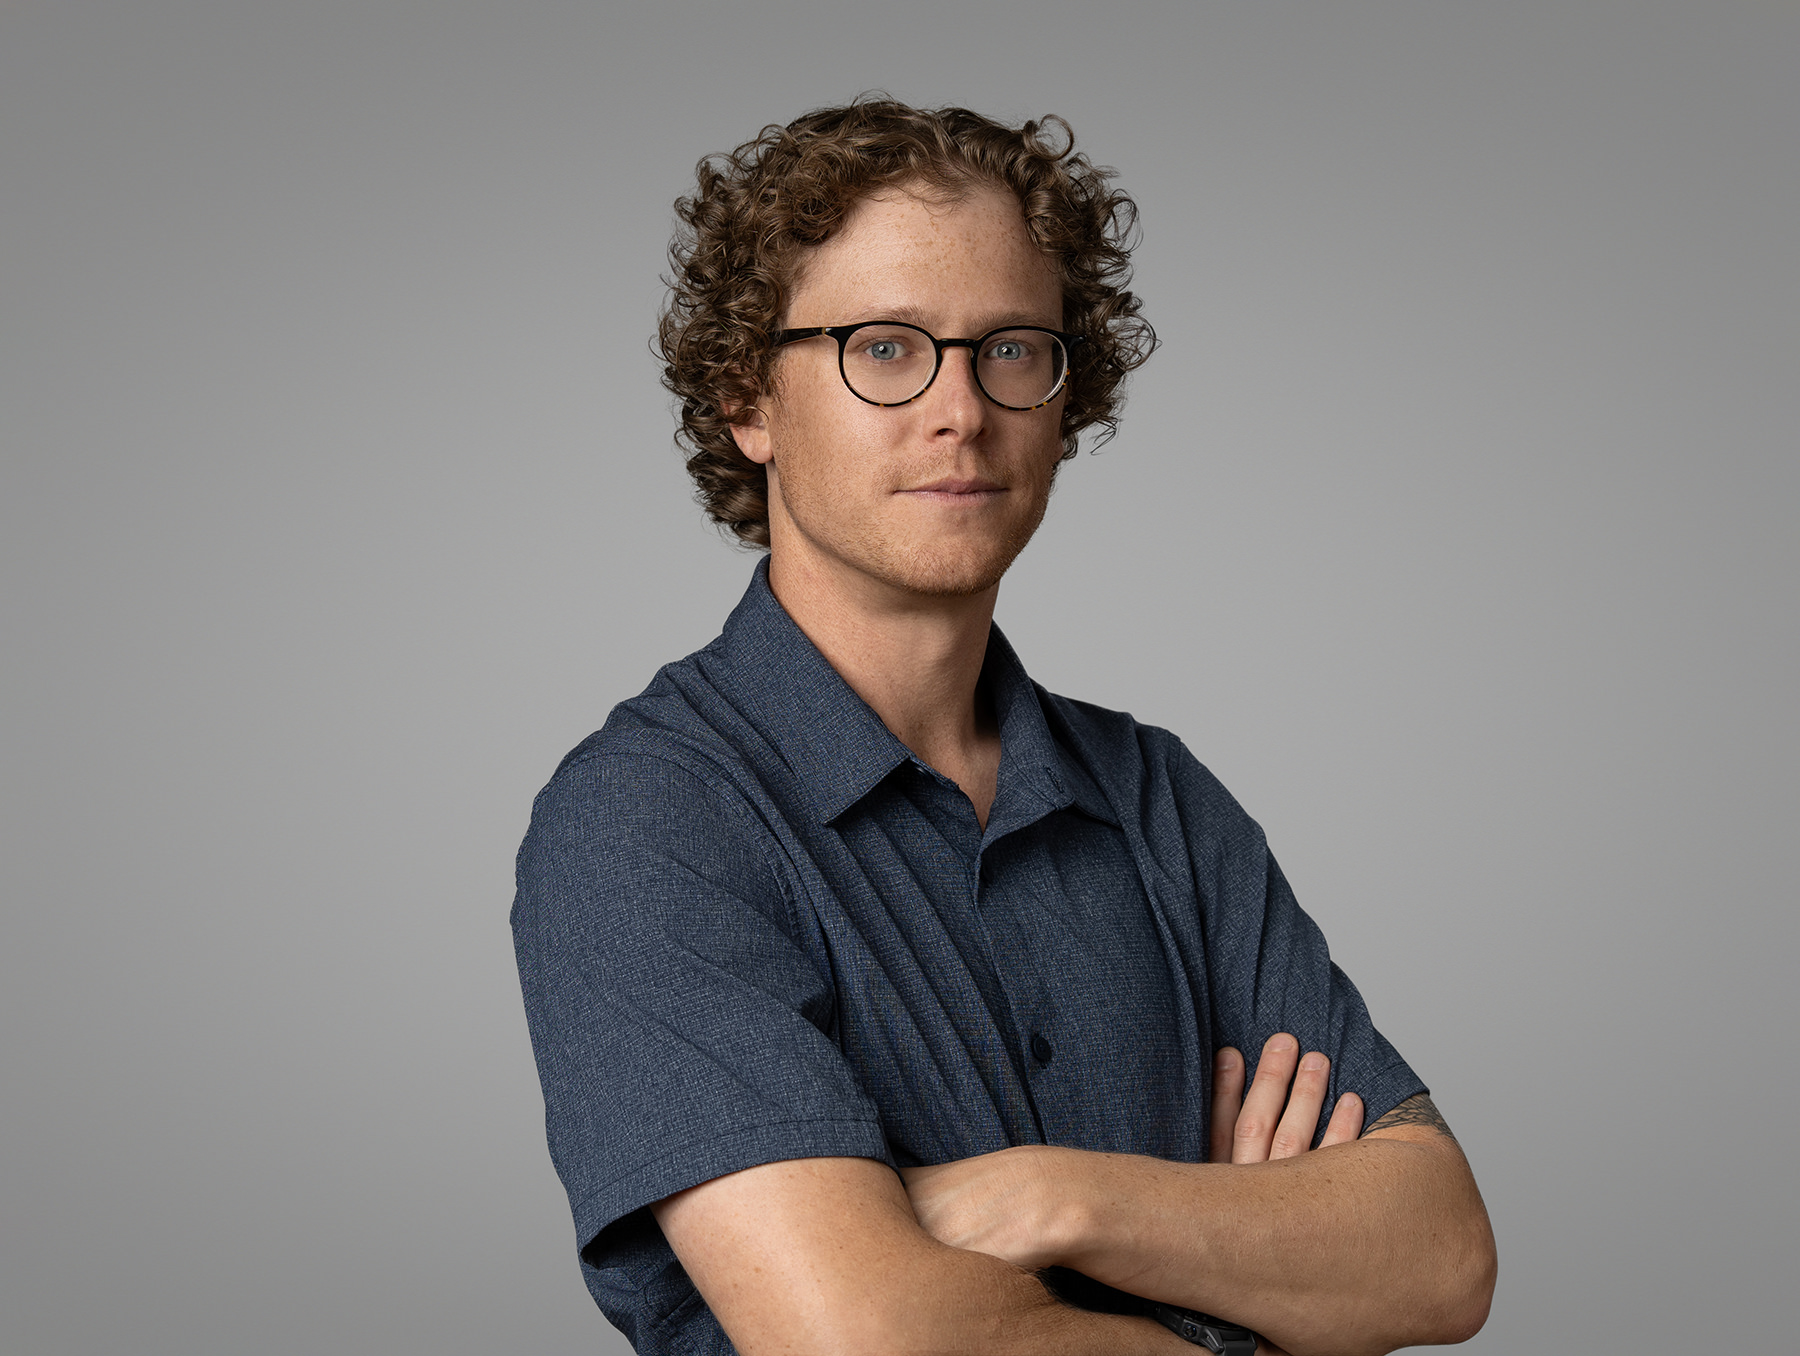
(1072, 1197)
(1114, 1223)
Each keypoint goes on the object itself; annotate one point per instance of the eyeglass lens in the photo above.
(890, 364)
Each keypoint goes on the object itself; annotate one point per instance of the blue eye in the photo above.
(1007, 351)
(883, 350)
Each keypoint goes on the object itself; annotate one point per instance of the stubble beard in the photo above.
(950, 567)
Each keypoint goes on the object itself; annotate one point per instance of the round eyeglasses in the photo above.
(884, 362)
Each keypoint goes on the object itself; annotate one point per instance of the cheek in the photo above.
(810, 407)
(838, 444)
(1047, 447)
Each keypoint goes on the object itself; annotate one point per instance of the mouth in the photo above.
(955, 490)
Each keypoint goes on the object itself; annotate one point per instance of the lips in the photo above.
(951, 485)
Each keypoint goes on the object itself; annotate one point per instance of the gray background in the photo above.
(1453, 526)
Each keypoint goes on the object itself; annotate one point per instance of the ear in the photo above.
(753, 438)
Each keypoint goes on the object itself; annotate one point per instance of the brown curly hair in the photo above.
(758, 209)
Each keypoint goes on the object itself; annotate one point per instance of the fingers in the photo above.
(1346, 1120)
(1294, 1133)
(1277, 1117)
(1228, 1097)
(1255, 1132)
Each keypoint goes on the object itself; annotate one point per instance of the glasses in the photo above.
(884, 362)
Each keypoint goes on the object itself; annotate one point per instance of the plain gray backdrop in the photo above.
(1454, 527)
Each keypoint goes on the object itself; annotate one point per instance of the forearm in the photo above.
(825, 1257)
(971, 1304)
(1356, 1248)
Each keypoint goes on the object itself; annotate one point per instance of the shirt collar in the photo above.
(1037, 774)
(837, 746)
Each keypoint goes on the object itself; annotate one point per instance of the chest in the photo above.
(992, 991)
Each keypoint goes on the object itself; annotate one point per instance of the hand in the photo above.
(1255, 1128)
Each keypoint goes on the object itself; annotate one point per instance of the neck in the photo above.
(915, 659)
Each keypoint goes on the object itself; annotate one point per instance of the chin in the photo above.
(937, 579)
(950, 570)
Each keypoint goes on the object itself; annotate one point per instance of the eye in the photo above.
(1007, 350)
(884, 345)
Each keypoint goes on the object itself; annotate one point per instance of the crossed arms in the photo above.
(1361, 1246)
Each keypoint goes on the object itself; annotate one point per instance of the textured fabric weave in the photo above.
(751, 926)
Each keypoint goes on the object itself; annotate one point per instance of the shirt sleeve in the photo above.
(679, 1030)
(1268, 966)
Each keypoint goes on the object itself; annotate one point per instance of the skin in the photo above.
(890, 530)
(1362, 1246)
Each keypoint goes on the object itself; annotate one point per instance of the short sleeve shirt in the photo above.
(752, 926)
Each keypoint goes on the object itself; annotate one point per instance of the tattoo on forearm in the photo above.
(1415, 1110)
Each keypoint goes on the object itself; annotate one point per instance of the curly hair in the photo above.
(757, 210)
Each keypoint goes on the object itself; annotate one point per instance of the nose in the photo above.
(955, 403)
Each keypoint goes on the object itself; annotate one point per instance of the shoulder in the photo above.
(671, 744)
(657, 793)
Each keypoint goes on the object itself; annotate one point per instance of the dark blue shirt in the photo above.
(752, 926)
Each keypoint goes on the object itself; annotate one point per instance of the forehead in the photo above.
(916, 255)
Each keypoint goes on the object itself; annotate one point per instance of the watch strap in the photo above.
(1203, 1330)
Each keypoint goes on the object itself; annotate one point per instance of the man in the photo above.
(880, 997)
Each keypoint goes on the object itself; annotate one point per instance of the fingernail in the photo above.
(1313, 1062)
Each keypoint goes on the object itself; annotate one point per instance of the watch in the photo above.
(1203, 1330)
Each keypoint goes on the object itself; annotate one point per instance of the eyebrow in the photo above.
(998, 320)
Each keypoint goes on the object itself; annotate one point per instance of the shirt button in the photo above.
(1041, 1049)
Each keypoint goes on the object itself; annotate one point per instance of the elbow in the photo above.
(1478, 1297)
(1462, 1319)
(1467, 1286)
(1461, 1289)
